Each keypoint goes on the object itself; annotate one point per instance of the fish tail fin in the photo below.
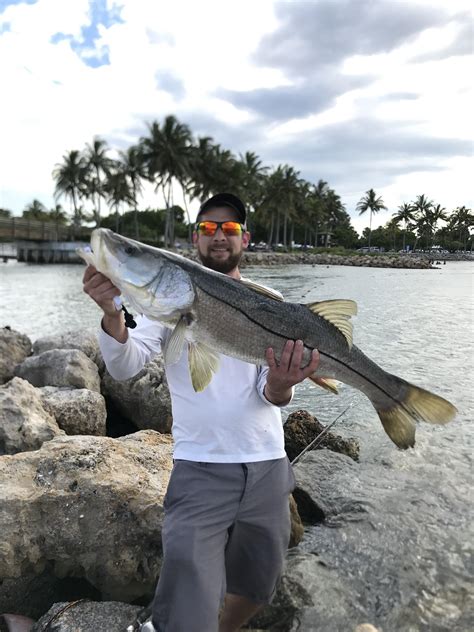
(399, 421)
(325, 382)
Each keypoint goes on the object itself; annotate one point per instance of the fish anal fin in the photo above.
(203, 363)
(174, 346)
(261, 289)
(337, 312)
(325, 382)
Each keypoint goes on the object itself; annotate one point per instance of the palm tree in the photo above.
(133, 169)
(166, 155)
(35, 210)
(117, 190)
(370, 202)
(422, 207)
(405, 214)
(70, 178)
(98, 165)
(437, 213)
(462, 220)
(58, 214)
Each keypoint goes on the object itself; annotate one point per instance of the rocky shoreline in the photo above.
(84, 465)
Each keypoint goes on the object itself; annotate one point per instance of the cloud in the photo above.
(165, 80)
(460, 45)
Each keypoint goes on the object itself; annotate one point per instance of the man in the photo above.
(227, 523)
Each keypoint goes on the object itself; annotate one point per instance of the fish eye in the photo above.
(130, 250)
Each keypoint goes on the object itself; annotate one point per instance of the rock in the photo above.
(88, 616)
(25, 424)
(297, 528)
(17, 623)
(77, 411)
(301, 428)
(365, 627)
(14, 348)
(87, 507)
(84, 340)
(60, 367)
(144, 399)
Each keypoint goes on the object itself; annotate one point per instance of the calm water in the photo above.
(418, 324)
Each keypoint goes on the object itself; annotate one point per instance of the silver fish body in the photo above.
(213, 313)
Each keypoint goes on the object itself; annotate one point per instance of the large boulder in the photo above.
(60, 367)
(144, 399)
(25, 424)
(14, 348)
(84, 340)
(88, 616)
(77, 411)
(301, 428)
(87, 507)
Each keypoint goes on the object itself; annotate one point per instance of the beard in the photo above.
(225, 266)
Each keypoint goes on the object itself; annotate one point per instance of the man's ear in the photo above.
(246, 239)
(195, 237)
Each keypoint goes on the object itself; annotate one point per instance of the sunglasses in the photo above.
(230, 229)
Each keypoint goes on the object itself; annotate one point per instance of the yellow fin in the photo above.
(261, 289)
(325, 382)
(338, 313)
(399, 421)
(203, 363)
(174, 346)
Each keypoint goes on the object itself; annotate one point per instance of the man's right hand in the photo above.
(102, 291)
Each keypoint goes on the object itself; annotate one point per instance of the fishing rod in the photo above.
(314, 442)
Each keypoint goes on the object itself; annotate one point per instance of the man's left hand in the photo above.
(284, 375)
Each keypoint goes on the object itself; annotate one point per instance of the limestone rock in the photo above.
(144, 399)
(301, 428)
(60, 367)
(14, 348)
(84, 340)
(87, 507)
(297, 528)
(24, 422)
(77, 411)
(88, 616)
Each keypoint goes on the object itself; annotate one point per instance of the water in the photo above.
(415, 323)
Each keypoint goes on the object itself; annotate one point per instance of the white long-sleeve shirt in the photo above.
(231, 421)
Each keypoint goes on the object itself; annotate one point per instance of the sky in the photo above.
(360, 93)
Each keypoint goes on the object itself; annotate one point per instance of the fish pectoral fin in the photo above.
(262, 290)
(174, 346)
(325, 382)
(337, 312)
(203, 363)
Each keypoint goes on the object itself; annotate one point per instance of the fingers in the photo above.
(291, 360)
(100, 289)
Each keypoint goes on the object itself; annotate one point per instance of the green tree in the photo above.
(69, 177)
(461, 221)
(58, 215)
(97, 165)
(370, 202)
(406, 214)
(117, 190)
(132, 167)
(35, 210)
(5, 213)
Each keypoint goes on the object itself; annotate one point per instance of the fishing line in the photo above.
(314, 442)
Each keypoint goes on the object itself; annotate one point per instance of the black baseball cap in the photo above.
(225, 199)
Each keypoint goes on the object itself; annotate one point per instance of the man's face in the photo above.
(221, 252)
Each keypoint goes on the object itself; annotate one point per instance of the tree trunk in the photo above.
(370, 227)
(270, 232)
(277, 235)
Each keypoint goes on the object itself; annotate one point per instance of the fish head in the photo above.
(152, 281)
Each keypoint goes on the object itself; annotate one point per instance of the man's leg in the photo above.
(200, 506)
(237, 611)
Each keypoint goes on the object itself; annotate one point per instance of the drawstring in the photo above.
(129, 320)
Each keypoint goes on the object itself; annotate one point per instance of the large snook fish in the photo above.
(213, 313)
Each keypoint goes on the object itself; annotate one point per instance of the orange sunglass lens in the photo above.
(231, 229)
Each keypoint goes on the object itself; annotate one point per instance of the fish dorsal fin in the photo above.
(261, 289)
(338, 313)
(203, 363)
(174, 346)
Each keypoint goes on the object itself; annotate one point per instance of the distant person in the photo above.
(227, 523)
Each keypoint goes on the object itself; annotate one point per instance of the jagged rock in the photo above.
(25, 424)
(144, 399)
(77, 411)
(297, 528)
(88, 616)
(301, 428)
(84, 340)
(87, 507)
(14, 348)
(60, 367)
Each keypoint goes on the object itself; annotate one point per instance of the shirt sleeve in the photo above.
(262, 372)
(124, 360)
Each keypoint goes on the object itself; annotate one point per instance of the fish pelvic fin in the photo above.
(203, 363)
(399, 421)
(325, 382)
(338, 313)
(174, 346)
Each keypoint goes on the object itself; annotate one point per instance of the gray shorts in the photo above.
(226, 529)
